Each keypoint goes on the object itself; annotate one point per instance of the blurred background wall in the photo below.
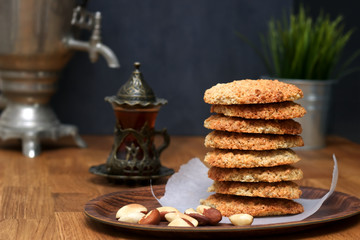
(186, 47)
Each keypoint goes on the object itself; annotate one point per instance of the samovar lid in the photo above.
(136, 92)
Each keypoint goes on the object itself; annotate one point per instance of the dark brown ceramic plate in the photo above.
(103, 209)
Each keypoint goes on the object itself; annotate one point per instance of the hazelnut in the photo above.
(164, 210)
(212, 214)
(131, 208)
(133, 217)
(180, 222)
(202, 220)
(172, 216)
(241, 219)
(152, 218)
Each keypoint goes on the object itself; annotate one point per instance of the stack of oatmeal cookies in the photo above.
(251, 158)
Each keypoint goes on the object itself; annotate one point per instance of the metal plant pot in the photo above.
(316, 101)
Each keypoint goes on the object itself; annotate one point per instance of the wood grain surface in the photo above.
(44, 197)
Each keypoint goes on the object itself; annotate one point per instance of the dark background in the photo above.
(185, 47)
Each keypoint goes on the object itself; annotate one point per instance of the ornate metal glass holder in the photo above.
(134, 154)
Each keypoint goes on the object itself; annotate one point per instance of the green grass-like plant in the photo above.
(298, 47)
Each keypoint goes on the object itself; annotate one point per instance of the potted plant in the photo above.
(306, 52)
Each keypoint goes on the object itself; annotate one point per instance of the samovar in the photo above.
(38, 38)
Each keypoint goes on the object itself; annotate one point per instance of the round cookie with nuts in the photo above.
(260, 174)
(287, 190)
(258, 207)
(248, 141)
(279, 111)
(252, 92)
(241, 125)
(250, 159)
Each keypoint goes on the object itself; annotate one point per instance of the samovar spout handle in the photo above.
(108, 54)
(84, 19)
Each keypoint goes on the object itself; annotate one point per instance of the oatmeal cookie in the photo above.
(235, 124)
(261, 174)
(250, 159)
(287, 190)
(248, 141)
(252, 92)
(258, 207)
(279, 111)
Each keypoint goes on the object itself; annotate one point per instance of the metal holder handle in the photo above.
(165, 143)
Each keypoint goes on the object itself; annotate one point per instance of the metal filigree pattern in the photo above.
(136, 92)
(139, 156)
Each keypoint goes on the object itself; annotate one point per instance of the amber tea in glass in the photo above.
(137, 119)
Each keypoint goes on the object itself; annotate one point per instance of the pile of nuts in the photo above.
(202, 216)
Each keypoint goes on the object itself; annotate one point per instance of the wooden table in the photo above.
(44, 197)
